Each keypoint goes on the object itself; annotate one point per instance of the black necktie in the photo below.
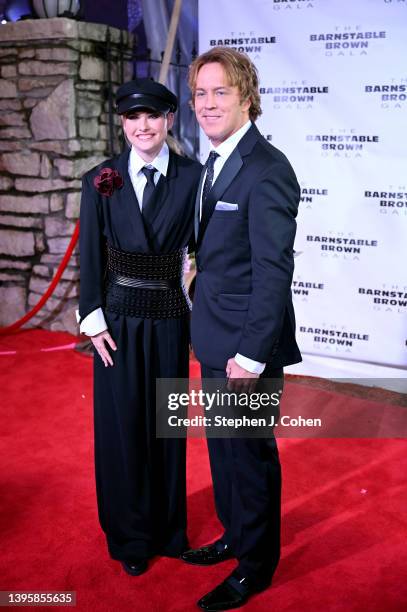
(210, 162)
(206, 210)
(146, 205)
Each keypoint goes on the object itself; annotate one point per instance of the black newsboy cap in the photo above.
(145, 93)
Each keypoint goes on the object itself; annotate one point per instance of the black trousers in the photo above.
(140, 480)
(246, 475)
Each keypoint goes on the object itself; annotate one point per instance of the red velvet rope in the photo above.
(50, 290)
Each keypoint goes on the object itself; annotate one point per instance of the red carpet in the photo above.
(344, 521)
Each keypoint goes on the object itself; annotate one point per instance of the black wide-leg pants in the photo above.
(246, 475)
(140, 480)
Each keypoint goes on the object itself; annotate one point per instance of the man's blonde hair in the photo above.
(240, 71)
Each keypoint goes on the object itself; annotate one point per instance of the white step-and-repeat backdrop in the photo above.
(333, 76)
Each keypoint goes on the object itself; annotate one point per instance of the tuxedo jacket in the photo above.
(245, 259)
(117, 220)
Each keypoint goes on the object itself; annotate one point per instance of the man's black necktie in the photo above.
(210, 163)
(206, 209)
(147, 205)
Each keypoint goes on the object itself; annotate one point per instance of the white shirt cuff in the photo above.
(93, 324)
(255, 367)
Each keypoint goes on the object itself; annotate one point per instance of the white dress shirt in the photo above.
(138, 178)
(224, 150)
(95, 323)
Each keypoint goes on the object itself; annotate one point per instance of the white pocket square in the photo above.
(226, 206)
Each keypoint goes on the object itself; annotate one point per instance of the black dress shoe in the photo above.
(135, 567)
(208, 555)
(231, 593)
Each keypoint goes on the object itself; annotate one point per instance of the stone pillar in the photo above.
(53, 128)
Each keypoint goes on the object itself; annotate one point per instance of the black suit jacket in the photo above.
(117, 220)
(245, 260)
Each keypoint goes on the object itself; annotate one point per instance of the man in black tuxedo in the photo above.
(243, 324)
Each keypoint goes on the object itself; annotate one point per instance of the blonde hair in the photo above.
(175, 145)
(240, 71)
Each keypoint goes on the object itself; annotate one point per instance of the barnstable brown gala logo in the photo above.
(341, 244)
(244, 43)
(336, 337)
(343, 144)
(385, 297)
(391, 95)
(388, 199)
(294, 93)
(347, 40)
(311, 196)
(303, 288)
(308, 194)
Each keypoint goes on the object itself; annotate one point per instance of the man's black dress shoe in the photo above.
(135, 567)
(207, 555)
(231, 593)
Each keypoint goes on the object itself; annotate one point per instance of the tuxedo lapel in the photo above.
(226, 176)
(129, 199)
(198, 205)
(228, 173)
(163, 205)
(162, 194)
(153, 204)
(246, 144)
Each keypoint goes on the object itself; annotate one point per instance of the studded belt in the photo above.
(146, 285)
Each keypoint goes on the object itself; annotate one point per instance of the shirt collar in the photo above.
(226, 147)
(160, 162)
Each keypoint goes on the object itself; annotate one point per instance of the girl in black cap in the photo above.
(137, 215)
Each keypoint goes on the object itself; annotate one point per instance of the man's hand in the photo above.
(239, 379)
(98, 342)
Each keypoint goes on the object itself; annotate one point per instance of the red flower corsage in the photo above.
(107, 181)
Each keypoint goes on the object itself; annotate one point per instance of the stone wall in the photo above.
(53, 128)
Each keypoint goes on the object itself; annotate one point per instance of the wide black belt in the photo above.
(146, 285)
(149, 266)
(142, 283)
